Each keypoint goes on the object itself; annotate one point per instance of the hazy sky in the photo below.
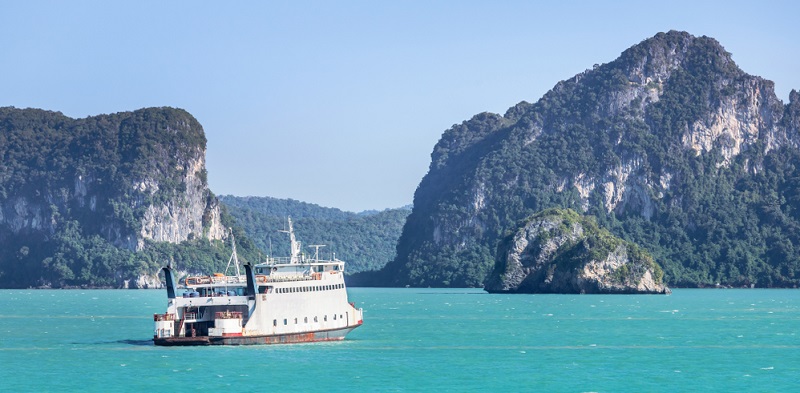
(341, 103)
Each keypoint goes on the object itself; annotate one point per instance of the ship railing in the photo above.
(309, 277)
(278, 260)
(195, 294)
(228, 315)
(196, 280)
(199, 280)
(229, 279)
(288, 260)
(163, 317)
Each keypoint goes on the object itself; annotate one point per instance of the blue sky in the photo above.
(341, 103)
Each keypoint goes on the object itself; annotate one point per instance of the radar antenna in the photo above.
(316, 250)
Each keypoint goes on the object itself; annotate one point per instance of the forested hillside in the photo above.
(670, 146)
(105, 201)
(366, 241)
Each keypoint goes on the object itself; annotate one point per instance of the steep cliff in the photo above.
(81, 199)
(559, 251)
(671, 146)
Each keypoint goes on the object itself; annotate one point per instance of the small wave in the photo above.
(136, 342)
(126, 342)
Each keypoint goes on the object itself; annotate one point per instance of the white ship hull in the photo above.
(285, 300)
(274, 311)
(289, 338)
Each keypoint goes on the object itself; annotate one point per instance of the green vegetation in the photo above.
(595, 244)
(72, 260)
(561, 251)
(366, 241)
(73, 193)
(707, 220)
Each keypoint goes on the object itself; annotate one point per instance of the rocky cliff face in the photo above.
(640, 142)
(171, 217)
(561, 252)
(125, 179)
(194, 213)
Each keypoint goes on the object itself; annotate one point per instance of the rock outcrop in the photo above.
(671, 145)
(72, 190)
(170, 189)
(559, 251)
(194, 213)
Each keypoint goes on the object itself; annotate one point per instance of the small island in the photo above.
(561, 251)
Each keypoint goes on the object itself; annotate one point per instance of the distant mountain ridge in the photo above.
(670, 146)
(365, 240)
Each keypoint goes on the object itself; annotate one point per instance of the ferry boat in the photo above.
(282, 300)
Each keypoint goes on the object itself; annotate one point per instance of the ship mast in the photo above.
(295, 255)
(234, 259)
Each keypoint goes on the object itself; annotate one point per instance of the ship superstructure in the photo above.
(282, 300)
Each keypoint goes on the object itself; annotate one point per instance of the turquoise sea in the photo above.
(413, 340)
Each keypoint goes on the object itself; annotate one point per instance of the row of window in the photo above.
(305, 320)
(314, 288)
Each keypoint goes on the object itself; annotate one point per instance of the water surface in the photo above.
(421, 340)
